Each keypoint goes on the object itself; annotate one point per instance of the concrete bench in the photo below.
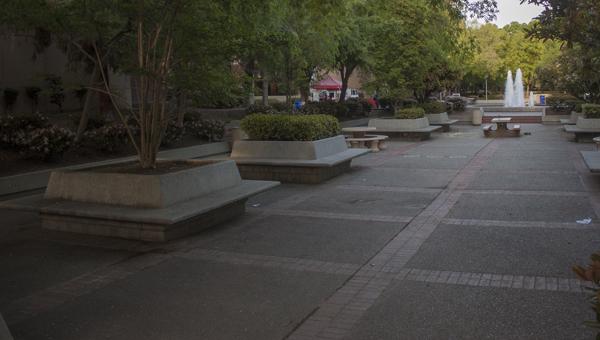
(441, 119)
(582, 134)
(591, 160)
(572, 120)
(374, 142)
(416, 134)
(488, 131)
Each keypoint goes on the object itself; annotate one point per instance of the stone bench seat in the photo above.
(591, 160)
(582, 134)
(441, 119)
(373, 142)
(514, 131)
(418, 134)
(140, 223)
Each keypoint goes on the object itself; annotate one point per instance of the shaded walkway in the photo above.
(457, 237)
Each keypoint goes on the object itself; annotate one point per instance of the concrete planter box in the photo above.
(142, 191)
(156, 207)
(294, 161)
(437, 118)
(418, 129)
(588, 123)
(392, 124)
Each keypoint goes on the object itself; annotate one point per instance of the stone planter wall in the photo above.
(143, 191)
(399, 124)
(588, 123)
(296, 150)
(437, 117)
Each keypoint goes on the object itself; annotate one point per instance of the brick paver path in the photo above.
(459, 237)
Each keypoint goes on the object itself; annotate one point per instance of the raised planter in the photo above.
(307, 162)
(411, 128)
(149, 207)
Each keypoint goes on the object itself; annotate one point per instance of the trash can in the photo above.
(477, 116)
(542, 100)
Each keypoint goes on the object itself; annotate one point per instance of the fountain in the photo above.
(514, 103)
(509, 91)
(519, 94)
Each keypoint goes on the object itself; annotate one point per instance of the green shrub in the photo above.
(336, 109)
(260, 108)
(10, 98)
(357, 107)
(591, 110)
(48, 143)
(410, 113)
(457, 103)
(108, 138)
(290, 127)
(173, 133)
(11, 127)
(564, 103)
(208, 129)
(281, 106)
(434, 107)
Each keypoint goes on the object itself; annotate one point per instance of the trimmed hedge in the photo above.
(564, 103)
(434, 107)
(591, 110)
(290, 127)
(208, 129)
(337, 109)
(410, 113)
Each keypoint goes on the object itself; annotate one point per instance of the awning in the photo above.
(328, 83)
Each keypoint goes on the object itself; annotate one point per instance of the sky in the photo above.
(512, 10)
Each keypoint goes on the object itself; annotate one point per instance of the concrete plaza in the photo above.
(458, 237)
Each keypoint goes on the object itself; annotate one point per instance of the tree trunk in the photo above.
(345, 72)
(83, 121)
(265, 90)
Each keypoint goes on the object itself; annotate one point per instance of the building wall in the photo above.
(21, 67)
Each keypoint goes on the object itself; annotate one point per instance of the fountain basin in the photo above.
(522, 115)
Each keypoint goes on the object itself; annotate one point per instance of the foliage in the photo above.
(336, 109)
(457, 103)
(108, 138)
(591, 110)
(434, 107)
(33, 93)
(49, 143)
(56, 91)
(173, 133)
(566, 103)
(207, 129)
(80, 94)
(260, 108)
(592, 274)
(281, 106)
(11, 128)
(290, 127)
(410, 113)
(10, 98)
(358, 107)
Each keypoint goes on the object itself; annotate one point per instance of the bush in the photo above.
(260, 108)
(290, 127)
(208, 129)
(336, 109)
(410, 113)
(108, 138)
(281, 106)
(48, 143)
(434, 107)
(357, 107)
(12, 127)
(591, 110)
(564, 103)
(457, 103)
(56, 91)
(10, 98)
(173, 133)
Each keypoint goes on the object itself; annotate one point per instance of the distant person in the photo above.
(372, 102)
(376, 100)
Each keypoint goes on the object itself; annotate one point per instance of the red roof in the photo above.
(328, 83)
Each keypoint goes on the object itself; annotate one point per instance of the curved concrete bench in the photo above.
(441, 119)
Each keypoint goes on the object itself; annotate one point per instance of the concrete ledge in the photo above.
(143, 190)
(4, 332)
(393, 124)
(39, 179)
(138, 223)
(592, 160)
(582, 134)
(417, 134)
(293, 174)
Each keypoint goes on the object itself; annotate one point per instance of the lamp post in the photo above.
(486, 88)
